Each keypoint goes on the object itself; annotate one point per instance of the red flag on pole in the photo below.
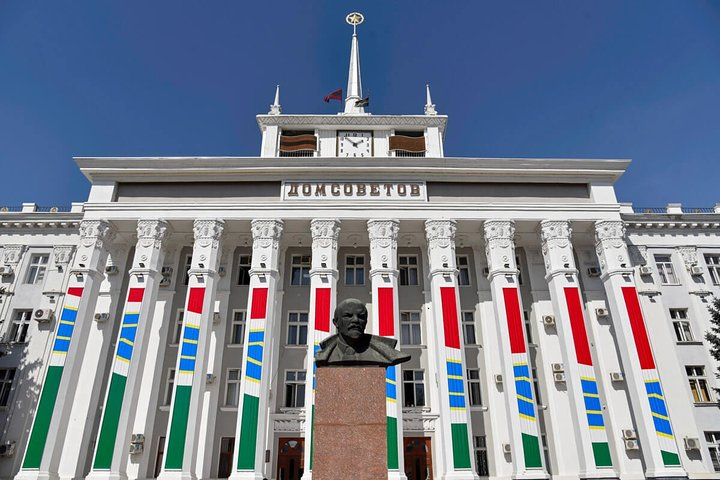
(336, 95)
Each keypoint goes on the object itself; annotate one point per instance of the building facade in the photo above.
(166, 327)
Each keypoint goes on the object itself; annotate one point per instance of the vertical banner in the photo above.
(322, 331)
(386, 323)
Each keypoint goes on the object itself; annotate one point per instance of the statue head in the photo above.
(350, 319)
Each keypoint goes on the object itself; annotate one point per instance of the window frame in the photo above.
(7, 378)
(712, 261)
(474, 387)
(294, 389)
(713, 442)
(665, 269)
(186, 268)
(468, 323)
(407, 268)
(301, 326)
(236, 322)
(681, 325)
(169, 387)
(699, 388)
(355, 269)
(243, 270)
(19, 322)
(36, 271)
(463, 268)
(406, 319)
(232, 382)
(418, 385)
(302, 267)
(177, 328)
(480, 449)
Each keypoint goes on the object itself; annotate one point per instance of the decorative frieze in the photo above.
(62, 254)
(689, 256)
(12, 254)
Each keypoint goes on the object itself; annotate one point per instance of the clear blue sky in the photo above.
(610, 79)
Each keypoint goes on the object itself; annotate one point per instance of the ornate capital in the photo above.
(12, 254)
(383, 233)
(689, 255)
(96, 233)
(266, 232)
(208, 232)
(555, 233)
(325, 232)
(610, 233)
(498, 234)
(62, 254)
(152, 233)
(440, 233)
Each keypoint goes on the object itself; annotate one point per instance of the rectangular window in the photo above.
(410, 331)
(408, 265)
(177, 328)
(665, 269)
(481, 458)
(237, 329)
(297, 328)
(681, 325)
(468, 324)
(169, 386)
(414, 388)
(37, 268)
(19, 327)
(232, 387)
(300, 270)
(698, 384)
(244, 262)
(473, 386)
(463, 265)
(6, 379)
(355, 270)
(159, 456)
(713, 443)
(536, 386)
(227, 447)
(528, 326)
(294, 388)
(713, 264)
(188, 264)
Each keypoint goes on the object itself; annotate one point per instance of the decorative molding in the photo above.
(96, 233)
(498, 233)
(294, 424)
(152, 233)
(12, 254)
(610, 237)
(325, 233)
(208, 232)
(419, 423)
(440, 233)
(62, 254)
(355, 121)
(266, 232)
(689, 256)
(555, 234)
(383, 233)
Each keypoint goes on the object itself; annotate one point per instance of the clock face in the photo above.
(354, 144)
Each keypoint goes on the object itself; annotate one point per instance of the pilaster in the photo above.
(191, 366)
(454, 415)
(250, 437)
(589, 430)
(384, 275)
(50, 425)
(657, 441)
(526, 448)
(323, 298)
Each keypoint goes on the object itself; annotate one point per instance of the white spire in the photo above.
(429, 105)
(354, 86)
(275, 108)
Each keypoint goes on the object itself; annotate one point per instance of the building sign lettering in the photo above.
(312, 190)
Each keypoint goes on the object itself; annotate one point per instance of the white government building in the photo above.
(166, 326)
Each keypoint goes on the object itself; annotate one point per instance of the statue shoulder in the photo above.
(385, 341)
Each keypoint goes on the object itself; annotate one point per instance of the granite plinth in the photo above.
(350, 431)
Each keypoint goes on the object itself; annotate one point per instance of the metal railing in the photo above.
(298, 153)
(649, 209)
(54, 209)
(10, 208)
(402, 153)
(698, 210)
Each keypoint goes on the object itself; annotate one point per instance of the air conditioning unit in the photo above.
(695, 270)
(506, 448)
(617, 377)
(498, 378)
(101, 317)
(166, 271)
(43, 315)
(629, 434)
(486, 271)
(111, 270)
(632, 445)
(222, 271)
(137, 438)
(692, 443)
(559, 377)
(602, 312)
(6, 271)
(7, 449)
(557, 367)
(210, 378)
(645, 270)
(216, 317)
(593, 271)
(548, 320)
(136, 448)
(165, 281)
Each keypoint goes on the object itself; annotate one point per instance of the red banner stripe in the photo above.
(642, 343)
(195, 299)
(75, 291)
(259, 303)
(577, 324)
(450, 317)
(322, 309)
(514, 320)
(386, 312)
(136, 294)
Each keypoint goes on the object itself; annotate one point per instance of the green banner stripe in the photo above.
(248, 433)
(460, 445)
(312, 437)
(531, 450)
(601, 452)
(670, 459)
(38, 437)
(392, 443)
(178, 428)
(111, 418)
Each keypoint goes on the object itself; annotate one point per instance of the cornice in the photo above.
(378, 121)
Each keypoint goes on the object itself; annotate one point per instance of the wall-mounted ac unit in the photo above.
(6, 271)
(506, 448)
(498, 378)
(691, 443)
(222, 271)
(602, 312)
(548, 320)
(629, 434)
(216, 317)
(695, 270)
(645, 270)
(617, 377)
(632, 445)
(559, 377)
(101, 317)
(111, 270)
(7, 449)
(557, 367)
(43, 315)
(210, 378)
(594, 271)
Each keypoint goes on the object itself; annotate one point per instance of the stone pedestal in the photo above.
(350, 438)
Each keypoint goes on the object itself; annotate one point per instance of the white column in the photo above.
(180, 460)
(386, 323)
(657, 442)
(524, 441)
(251, 433)
(73, 325)
(445, 319)
(589, 432)
(323, 298)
